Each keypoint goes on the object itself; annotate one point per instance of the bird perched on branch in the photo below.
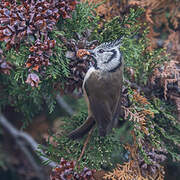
(102, 87)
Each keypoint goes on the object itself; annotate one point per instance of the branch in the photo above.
(139, 88)
(64, 105)
(19, 137)
(85, 144)
(176, 98)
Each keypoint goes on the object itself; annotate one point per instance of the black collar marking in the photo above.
(95, 64)
(119, 65)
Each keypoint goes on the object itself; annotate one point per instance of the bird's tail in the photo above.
(83, 129)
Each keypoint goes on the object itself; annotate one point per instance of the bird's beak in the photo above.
(91, 53)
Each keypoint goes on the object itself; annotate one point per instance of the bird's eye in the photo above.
(101, 51)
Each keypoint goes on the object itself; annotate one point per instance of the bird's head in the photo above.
(107, 55)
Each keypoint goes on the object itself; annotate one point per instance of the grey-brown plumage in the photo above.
(102, 89)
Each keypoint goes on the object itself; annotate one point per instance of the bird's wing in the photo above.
(96, 90)
(104, 94)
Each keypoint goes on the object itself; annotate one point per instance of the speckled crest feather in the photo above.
(107, 56)
(111, 44)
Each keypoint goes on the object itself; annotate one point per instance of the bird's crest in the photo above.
(111, 44)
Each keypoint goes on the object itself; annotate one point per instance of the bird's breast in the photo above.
(89, 72)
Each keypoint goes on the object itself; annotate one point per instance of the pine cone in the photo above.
(66, 171)
(33, 79)
(30, 17)
(27, 21)
(78, 66)
(41, 52)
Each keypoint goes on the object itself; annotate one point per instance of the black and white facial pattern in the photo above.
(107, 56)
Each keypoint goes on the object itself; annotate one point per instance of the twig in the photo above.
(176, 99)
(64, 105)
(20, 136)
(34, 146)
(139, 88)
(28, 155)
(14, 134)
(85, 144)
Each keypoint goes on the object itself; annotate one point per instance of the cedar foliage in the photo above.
(150, 116)
(38, 58)
(163, 21)
(28, 84)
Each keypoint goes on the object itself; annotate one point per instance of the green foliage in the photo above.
(16, 92)
(23, 97)
(167, 127)
(100, 152)
(117, 28)
(134, 46)
(82, 19)
(163, 128)
(160, 128)
(29, 100)
(18, 58)
(140, 60)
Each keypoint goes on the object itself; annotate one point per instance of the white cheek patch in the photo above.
(104, 57)
(108, 60)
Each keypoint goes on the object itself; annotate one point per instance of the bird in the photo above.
(102, 89)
